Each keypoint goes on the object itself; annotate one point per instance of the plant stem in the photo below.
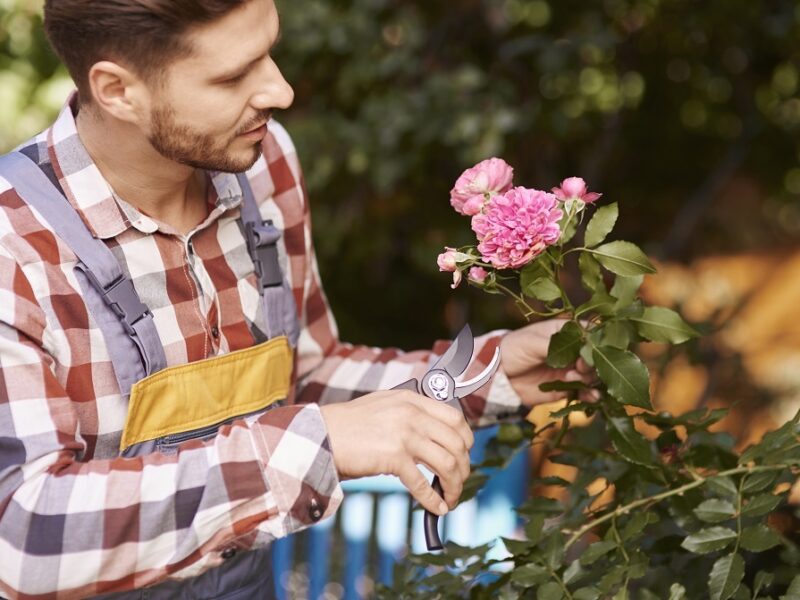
(520, 299)
(560, 582)
(663, 495)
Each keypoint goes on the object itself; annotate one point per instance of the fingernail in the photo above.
(443, 510)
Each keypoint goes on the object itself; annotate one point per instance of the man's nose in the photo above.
(274, 92)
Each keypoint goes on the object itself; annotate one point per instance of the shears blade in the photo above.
(465, 388)
(458, 355)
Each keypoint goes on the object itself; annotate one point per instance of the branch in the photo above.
(664, 495)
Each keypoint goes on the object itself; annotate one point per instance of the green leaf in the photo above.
(571, 408)
(587, 593)
(565, 346)
(761, 505)
(708, 540)
(552, 480)
(617, 334)
(612, 578)
(774, 441)
(573, 572)
(793, 593)
(700, 418)
(625, 290)
(758, 538)
(624, 374)
(758, 481)
(541, 506)
(601, 224)
(600, 303)
(630, 444)
(725, 577)
(554, 550)
(517, 547)
(544, 289)
(591, 275)
(677, 592)
(533, 271)
(549, 591)
(762, 580)
(562, 386)
(663, 325)
(623, 258)
(530, 575)
(595, 551)
(723, 485)
(715, 510)
(636, 525)
(533, 528)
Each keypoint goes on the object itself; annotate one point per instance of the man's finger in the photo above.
(447, 415)
(419, 488)
(450, 441)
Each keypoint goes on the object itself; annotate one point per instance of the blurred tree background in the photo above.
(685, 111)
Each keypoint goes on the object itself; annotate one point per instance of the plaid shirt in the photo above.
(76, 519)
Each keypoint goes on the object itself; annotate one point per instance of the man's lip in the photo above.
(254, 129)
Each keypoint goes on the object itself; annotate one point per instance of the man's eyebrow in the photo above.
(243, 68)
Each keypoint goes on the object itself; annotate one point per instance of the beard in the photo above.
(192, 147)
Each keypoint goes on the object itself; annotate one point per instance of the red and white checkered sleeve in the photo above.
(74, 528)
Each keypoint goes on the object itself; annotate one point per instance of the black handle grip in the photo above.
(431, 522)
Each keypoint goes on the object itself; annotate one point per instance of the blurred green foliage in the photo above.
(685, 111)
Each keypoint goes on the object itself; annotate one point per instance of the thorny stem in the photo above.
(667, 494)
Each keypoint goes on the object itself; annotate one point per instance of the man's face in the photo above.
(210, 110)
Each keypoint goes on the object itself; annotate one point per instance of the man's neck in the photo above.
(160, 188)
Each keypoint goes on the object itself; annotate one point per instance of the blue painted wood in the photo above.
(282, 560)
(319, 557)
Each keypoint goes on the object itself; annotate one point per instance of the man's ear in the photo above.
(117, 91)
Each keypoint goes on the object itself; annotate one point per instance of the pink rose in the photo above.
(476, 185)
(516, 227)
(575, 188)
(447, 260)
(478, 274)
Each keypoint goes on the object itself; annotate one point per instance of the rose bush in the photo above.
(677, 515)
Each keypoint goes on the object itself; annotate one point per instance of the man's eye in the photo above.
(235, 79)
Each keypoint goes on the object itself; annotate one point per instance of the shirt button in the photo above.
(314, 510)
(228, 553)
(215, 332)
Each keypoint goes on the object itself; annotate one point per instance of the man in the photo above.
(174, 479)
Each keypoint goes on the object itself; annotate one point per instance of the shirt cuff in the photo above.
(298, 467)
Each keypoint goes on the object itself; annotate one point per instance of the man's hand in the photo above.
(522, 357)
(393, 431)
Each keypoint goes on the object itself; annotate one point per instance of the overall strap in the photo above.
(133, 323)
(262, 238)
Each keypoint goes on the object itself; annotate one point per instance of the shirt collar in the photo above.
(91, 196)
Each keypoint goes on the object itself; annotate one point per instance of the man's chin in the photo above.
(234, 162)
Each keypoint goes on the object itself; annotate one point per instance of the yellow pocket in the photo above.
(199, 394)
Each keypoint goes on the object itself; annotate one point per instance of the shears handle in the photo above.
(431, 522)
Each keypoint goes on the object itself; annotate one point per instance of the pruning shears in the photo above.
(440, 383)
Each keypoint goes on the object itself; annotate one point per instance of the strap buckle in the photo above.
(262, 241)
(121, 297)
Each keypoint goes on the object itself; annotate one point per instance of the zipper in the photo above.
(184, 436)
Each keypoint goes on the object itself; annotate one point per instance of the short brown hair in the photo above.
(144, 35)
